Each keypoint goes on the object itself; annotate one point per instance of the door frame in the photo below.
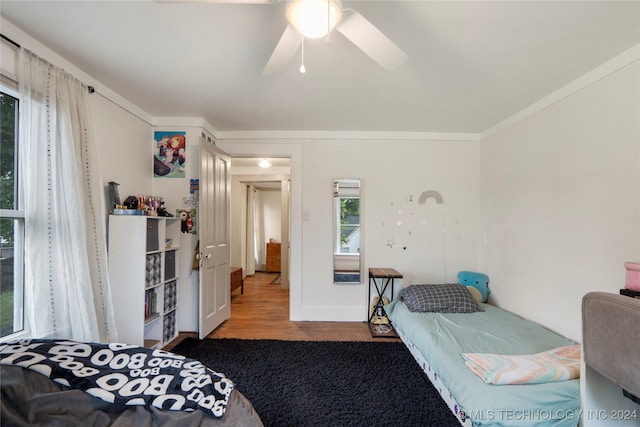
(244, 148)
(284, 181)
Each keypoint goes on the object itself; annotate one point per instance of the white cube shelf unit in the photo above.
(144, 270)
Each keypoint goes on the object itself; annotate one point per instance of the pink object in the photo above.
(632, 280)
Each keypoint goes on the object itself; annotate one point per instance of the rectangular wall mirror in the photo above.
(347, 232)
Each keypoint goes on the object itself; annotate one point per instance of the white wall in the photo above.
(433, 242)
(124, 149)
(562, 202)
(562, 214)
(272, 213)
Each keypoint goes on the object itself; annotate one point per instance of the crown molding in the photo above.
(198, 122)
(346, 135)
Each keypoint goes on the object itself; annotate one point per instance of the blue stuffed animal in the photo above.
(475, 281)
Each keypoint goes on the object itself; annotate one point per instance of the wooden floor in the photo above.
(262, 312)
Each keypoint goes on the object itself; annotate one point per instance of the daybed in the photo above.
(31, 396)
(438, 340)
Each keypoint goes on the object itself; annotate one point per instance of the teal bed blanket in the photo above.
(443, 337)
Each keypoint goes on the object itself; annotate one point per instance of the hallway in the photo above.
(262, 312)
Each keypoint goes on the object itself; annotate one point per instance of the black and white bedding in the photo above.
(61, 382)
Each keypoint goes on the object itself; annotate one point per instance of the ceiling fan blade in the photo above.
(371, 41)
(284, 52)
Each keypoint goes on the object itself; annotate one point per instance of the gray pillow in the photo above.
(444, 298)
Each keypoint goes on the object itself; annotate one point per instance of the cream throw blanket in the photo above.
(559, 364)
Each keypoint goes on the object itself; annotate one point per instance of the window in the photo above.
(12, 319)
(349, 225)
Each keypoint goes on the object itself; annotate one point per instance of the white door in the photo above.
(214, 229)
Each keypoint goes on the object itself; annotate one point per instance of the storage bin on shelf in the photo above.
(632, 280)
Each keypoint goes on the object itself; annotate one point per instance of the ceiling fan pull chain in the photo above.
(302, 69)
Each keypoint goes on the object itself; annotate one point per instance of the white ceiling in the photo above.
(471, 64)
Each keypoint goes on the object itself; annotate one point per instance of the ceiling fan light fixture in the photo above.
(314, 18)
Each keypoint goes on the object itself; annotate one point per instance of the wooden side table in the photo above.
(381, 278)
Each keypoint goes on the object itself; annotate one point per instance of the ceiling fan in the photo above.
(324, 16)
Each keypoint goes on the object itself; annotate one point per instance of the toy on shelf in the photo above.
(141, 205)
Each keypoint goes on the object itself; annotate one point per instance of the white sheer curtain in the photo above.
(255, 230)
(258, 229)
(251, 240)
(66, 275)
